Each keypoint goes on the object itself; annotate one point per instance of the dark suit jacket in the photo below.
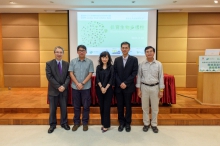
(125, 74)
(55, 79)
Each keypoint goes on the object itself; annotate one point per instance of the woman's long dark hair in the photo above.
(104, 54)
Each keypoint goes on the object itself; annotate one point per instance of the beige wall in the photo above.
(1, 58)
(172, 45)
(53, 31)
(203, 33)
(20, 46)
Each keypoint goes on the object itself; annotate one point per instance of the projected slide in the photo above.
(105, 31)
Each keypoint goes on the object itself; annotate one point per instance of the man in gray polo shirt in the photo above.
(81, 69)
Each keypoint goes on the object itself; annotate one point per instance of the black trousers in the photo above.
(105, 105)
(53, 108)
(124, 99)
(81, 97)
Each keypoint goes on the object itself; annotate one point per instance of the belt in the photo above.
(150, 84)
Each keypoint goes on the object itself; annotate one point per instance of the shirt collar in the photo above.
(59, 61)
(79, 59)
(149, 62)
(125, 57)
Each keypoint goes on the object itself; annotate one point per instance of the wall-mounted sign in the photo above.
(209, 63)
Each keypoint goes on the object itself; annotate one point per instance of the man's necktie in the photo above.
(59, 67)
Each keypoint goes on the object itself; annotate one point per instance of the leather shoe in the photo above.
(128, 128)
(85, 127)
(75, 127)
(155, 129)
(145, 128)
(66, 127)
(121, 128)
(51, 129)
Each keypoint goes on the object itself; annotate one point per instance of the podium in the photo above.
(208, 80)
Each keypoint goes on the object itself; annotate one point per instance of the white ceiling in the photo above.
(43, 6)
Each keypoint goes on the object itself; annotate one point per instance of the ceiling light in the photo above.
(11, 2)
(170, 10)
(50, 11)
(215, 1)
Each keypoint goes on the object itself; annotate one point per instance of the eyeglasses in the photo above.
(81, 51)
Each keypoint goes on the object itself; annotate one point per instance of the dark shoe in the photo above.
(155, 129)
(51, 129)
(66, 127)
(104, 130)
(121, 128)
(85, 127)
(128, 128)
(75, 127)
(145, 128)
(101, 128)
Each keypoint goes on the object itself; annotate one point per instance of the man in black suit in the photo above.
(126, 68)
(58, 78)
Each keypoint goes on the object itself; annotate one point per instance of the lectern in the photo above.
(208, 81)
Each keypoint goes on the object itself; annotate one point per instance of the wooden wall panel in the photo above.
(180, 80)
(172, 19)
(203, 43)
(1, 57)
(20, 19)
(193, 56)
(192, 69)
(43, 80)
(21, 68)
(53, 31)
(20, 31)
(172, 44)
(21, 44)
(203, 33)
(49, 55)
(22, 80)
(21, 56)
(172, 31)
(204, 18)
(174, 68)
(191, 81)
(21, 50)
(53, 19)
(42, 68)
(47, 44)
(172, 56)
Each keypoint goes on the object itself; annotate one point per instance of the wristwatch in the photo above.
(82, 83)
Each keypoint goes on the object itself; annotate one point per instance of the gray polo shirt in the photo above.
(80, 70)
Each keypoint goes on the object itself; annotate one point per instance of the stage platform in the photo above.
(28, 106)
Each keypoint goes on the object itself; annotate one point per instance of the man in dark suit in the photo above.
(126, 68)
(58, 78)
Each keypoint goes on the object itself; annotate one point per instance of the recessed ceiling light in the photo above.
(215, 1)
(50, 11)
(11, 2)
